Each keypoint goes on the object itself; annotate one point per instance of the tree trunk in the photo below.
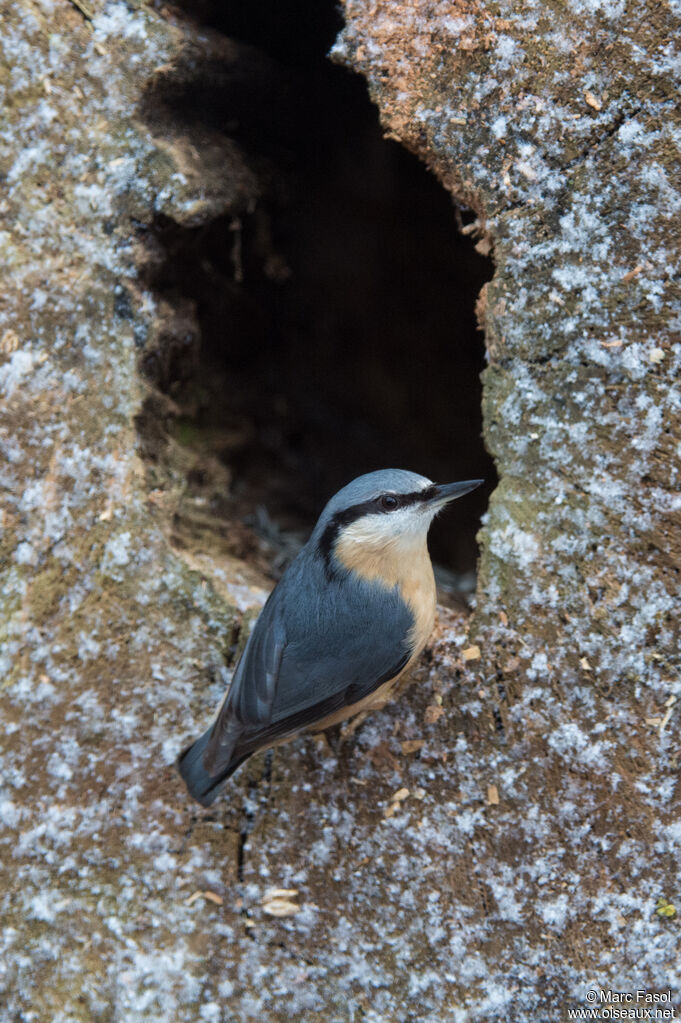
(506, 837)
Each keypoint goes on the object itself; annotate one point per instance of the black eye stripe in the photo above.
(343, 518)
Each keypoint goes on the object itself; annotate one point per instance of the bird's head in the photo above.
(386, 511)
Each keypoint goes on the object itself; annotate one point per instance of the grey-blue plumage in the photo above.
(326, 639)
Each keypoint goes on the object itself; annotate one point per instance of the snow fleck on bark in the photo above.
(537, 850)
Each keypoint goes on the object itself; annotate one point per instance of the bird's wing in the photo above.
(248, 703)
(294, 671)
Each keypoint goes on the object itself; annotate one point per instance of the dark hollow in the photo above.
(337, 326)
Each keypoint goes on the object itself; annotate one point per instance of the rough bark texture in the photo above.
(560, 125)
(498, 842)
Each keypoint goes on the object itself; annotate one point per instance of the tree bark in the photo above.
(504, 838)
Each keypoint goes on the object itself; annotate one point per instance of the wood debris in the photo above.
(281, 908)
(84, 9)
(209, 896)
(395, 800)
(471, 653)
(9, 342)
(432, 713)
(662, 722)
(278, 902)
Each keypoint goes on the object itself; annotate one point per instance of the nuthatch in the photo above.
(348, 617)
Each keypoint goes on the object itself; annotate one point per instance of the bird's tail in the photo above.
(203, 786)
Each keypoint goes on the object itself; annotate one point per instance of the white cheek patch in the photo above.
(400, 526)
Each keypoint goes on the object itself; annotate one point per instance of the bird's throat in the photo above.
(401, 562)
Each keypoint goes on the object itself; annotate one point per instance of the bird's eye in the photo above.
(388, 501)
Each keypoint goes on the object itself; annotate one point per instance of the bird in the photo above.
(348, 617)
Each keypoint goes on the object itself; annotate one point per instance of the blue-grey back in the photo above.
(329, 635)
(341, 632)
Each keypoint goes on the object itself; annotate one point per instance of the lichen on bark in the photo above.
(497, 842)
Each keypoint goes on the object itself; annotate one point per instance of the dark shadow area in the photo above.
(336, 319)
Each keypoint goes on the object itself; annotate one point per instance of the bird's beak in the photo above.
(446, 492)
